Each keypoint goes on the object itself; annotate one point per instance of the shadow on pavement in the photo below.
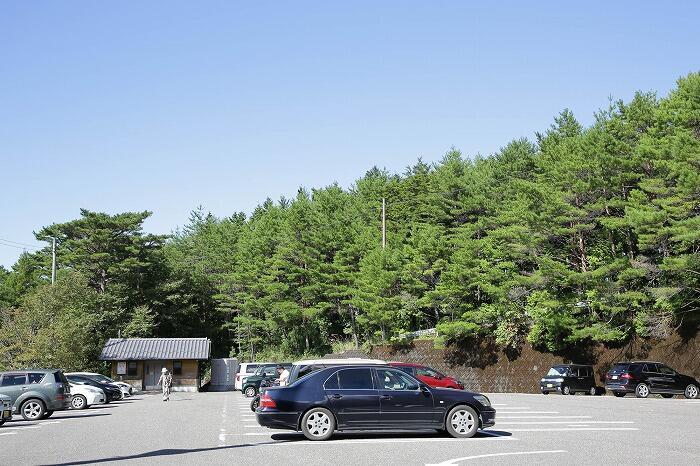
(78, 415)
(372, 435)
(155, 453)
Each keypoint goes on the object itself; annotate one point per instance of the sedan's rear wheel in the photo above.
(318, 424)
(691, 391)
(32, 410)
(255, 403)
(78, 402)
(565, 390)
(592, 391)
(462, 422)
(642, 390)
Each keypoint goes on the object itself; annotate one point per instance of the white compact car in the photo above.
(84, 396)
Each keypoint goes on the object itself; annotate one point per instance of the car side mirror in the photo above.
(424, 388)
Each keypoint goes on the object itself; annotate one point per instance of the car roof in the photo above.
(29, 370)
(571, 365)
(405, 364)
(340, 362)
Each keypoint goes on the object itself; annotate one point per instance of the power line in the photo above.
(33, 245)
(19, 247)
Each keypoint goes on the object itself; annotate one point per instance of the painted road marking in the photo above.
(563, 422)
(542, 417)
(454, 461)
(8, 433)
(573, 429)
(527, 412)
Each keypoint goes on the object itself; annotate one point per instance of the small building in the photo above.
(139, 361)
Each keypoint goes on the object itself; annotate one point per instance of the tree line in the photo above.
(582, 235)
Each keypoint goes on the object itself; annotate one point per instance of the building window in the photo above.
(131, 368)
(177, 367)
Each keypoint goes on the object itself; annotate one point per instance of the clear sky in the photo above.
(119, 106)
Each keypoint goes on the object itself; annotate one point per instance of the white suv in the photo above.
(246, 369)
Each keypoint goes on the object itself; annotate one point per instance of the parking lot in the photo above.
(219, 428)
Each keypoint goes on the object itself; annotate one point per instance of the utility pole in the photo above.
(53, 260)
(383, 223)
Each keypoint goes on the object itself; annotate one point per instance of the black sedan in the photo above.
(371, 398)
(112, 392)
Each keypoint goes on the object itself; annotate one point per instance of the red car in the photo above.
(428, 376)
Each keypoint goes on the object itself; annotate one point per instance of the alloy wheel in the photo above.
(642, 391)
(32, 410)
(318, 424)
(78, 402)
(691, 391)
(462, 421)
(592, 391)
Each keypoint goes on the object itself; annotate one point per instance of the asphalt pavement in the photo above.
(219, 428)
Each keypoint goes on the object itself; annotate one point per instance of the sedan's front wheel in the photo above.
(462, 422)
(78, 402)
(642, 390)
(691, 391)
(318, 424)
(250, 392)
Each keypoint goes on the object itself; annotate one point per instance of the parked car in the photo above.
(246, 369)
(126, 388)
(112, 392)
(84, 396)
(569, 379)
(36, 393)
(371, 397)
(428, 375)
(251, 386)
(5, 409)
(308, 366)
(644, 378)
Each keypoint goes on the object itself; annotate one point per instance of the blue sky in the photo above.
(165, 106)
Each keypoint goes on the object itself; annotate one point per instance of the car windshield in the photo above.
(557, 370)
(101, 378)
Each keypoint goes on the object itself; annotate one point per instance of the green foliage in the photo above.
(589, 234)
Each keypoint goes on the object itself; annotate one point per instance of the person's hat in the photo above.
(164, 370)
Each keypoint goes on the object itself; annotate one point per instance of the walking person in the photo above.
(165, 381)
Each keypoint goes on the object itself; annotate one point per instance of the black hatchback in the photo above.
(568, 379)
(644, 378)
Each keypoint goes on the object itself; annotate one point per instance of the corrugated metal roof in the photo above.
(123, 349)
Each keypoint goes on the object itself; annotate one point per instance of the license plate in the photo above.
(549, 385)
(614, 377)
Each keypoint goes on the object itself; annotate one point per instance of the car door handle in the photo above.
(385, 397)
(25, 388)
(336, 396)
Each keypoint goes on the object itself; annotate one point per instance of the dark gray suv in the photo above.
(35, 393)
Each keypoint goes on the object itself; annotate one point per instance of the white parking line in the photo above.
(454, 461)
(8, 433)
(573, 429)
(509, 423)
(542, 417)
(528, 412)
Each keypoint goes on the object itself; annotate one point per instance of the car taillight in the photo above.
(238, 377)
(627, 376)
(266, 401)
